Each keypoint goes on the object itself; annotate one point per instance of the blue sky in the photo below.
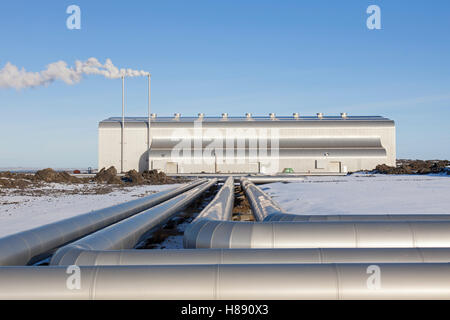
(225, 56)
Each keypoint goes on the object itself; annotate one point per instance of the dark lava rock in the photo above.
(50, 175)
(134, 177)
(108, 175)
(415, 167)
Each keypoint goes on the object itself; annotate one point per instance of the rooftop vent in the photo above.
(320, 115)
(296, 115)
(344, 115)
(177, 116)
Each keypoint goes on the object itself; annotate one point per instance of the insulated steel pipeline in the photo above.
(261, 204)
(288, 217)
(127, 233)
(32, 245)
(374, 231)
(253, 256)
(230, 282)
(392, 234)
(219, 209)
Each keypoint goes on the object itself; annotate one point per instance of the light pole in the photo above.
(149, 115)
(123, 124)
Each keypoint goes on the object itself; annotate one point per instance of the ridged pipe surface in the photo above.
(25, 247)
(261, 204)
(127, 233)
(219, 209)
(254, 256)
(288, 217)
(393, 234)
(231, 282)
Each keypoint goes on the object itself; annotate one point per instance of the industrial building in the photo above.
(251, 144)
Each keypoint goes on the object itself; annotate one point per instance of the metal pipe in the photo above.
(149, 116)
(392, 234)
(261, 204)
(123, 125)
(230, 282)
(28, 246)
(82, 257)
(291, 217)
(219, 209)
(322, 231)
(128, 232)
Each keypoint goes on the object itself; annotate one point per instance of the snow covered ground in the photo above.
(364, 194)
(358, 193)
(21, 211)
(355, 194)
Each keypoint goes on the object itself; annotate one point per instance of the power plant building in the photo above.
(250, 144)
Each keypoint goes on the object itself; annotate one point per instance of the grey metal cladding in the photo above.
(282, 153)
(283, 143)
(256, 256)
(230, 282)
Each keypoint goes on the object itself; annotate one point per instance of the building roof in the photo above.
(253, 118)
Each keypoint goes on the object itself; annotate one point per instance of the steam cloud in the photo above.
(12, 77)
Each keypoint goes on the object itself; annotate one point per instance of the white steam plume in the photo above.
(12, 77)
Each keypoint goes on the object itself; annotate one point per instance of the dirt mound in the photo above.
(11, 175)
(14, 183)
(155, 177)
(7, 175)
(415, 167)
(134, 177)
(22, 180)
(108, 175)
(50, 175)
(104, 176)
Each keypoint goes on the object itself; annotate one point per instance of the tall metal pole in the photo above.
(149, 102)
(123, 123)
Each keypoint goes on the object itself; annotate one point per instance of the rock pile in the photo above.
(50, 175)
(415, 167)
(108, 176)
